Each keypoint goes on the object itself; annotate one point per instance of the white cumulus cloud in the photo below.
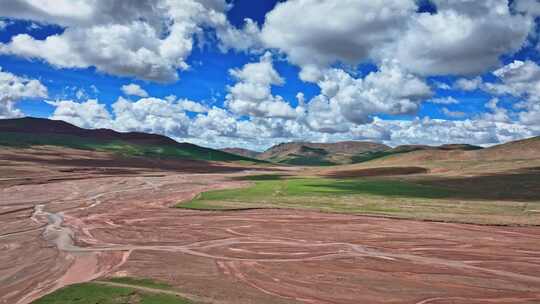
(87, 114)
(458, 39)
(14, 88)
(315, 33)
(252, 93)
(146, 39)
(444, 100)
(387, 91)
(134, 90)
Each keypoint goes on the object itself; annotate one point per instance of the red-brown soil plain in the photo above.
(70, 216)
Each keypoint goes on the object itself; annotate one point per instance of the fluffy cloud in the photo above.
(387, 91)
(460, 38)
(3, 24)
(220, 128)
(146, 39)
(453, 114)
(87, 114)
(329, 31)
(152, 40)
(324, 115)
(78, 12)
(134, 90)
(192, 106)
(245, 39)
(14, 88)
(252, 94)
(531, 116)
(531, 7)
(442, 85)
(466, 84)
(462, 33)
(520, 79)
(496, 113)
(217, 122)
(444, 100)
(152, 115)
(187, 105)
(436, 131)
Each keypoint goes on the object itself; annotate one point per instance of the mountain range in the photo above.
(347, 152)
(25, 132)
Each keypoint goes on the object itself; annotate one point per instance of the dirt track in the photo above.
(75, 230)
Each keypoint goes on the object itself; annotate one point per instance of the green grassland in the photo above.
(118, 147)
(383, 197)
(93, 293)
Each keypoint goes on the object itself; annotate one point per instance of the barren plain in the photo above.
(72, 216)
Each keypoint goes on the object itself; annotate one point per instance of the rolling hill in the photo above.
(515, 153)
(447, 147)
(28, 131)
(310, 154)
(242, 152)
(520, 149)
(347, 152)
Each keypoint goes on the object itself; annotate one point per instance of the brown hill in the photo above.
(28, 132)
(521, 149)
(504, 157)
(305, 153)
(410, 148)
(447, 147)
(32, 125)
(242, 152)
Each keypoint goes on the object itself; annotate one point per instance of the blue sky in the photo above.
(298, 70)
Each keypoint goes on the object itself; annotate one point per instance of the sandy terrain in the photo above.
(60, 225)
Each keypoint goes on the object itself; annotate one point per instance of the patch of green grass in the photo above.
(86, 294)
(272, 189)
(92, 293)
(162, 299)
(269, 191)
(367, 196)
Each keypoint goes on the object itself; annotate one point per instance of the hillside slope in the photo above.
(25, 132)
(509, 156)
(242, 152)
(305, 153)
(520, 149)
(340, 153)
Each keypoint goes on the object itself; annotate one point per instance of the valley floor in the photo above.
(60, 226)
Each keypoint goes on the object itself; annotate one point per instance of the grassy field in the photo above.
(386, 197)
(93, 293)
(121, 148)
